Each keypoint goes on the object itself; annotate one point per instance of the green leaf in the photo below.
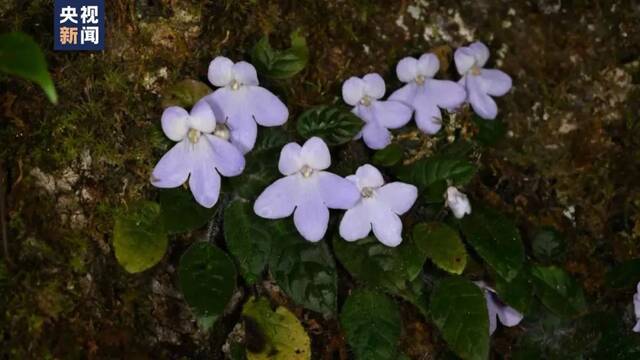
(490, 132)
(389, 156)
(372, 324)
(270, 138)
(277, 64)
(425, 172)
(442, 245)
(207, 278)
(548, 245)
(496, 239)
(624, 275)
(185, 93)
(180, 212)
(249, 239)
(558, 291)
(517, 293)
(260, 170)
(335, 125)
(21, 56)
(139, 237)
(275, 335)
(459, 309)
(305, 271)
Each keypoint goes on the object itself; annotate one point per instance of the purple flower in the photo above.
(378, 207)
(425, 94)
(457, 202)
(202, 151)
(307, 189)
(507, 315)
(241, 103)
(636, 309)
(480, 83)
(379, 116)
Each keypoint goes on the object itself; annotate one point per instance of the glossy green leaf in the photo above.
(425, 172)
(273, 335)
(490, 132)
(518, 292)
(185, 93)
(335, 125)
(305, 271)
(139, 238)
(20, 55)
(624, 275)
(249, 239)
(442, 245)
(281, 64)
(558, 291)
(496, 239)
(180, 212)
(548, 245)
(459, 310)
(389, 156)
(372, 324)
(207, 279)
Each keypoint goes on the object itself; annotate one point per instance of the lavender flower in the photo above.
(457, 202)
(307, 189)
(379, 116)
(425, 94)
(202, 151)
(480, 83)
(636, 308)
(507, 315)
(241, 103)
(378, 207)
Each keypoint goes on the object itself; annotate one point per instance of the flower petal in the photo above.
(446, 94)
(227, 158)
(491, 309)
(387, 226)
(355, 223)
(636, 328)
(245, 73)
(267, 109)
(279, 199)
(368, 176)
(229, 109)
(202, 117)
(495, 82)
(290, 161)
(480, 52)
(464, 59)
(407, 69)
(428, 65)
(204, 181)
(175, 122)
(352, 90)
(222, 102)
(337, 192)
(391, 114)
(405, 94)
(399, 197)
(220, 73)
(428, 116)
(482, 104)
(509, 316)
(374, 85)
(243, 132)
(173, 168)
(312, 219)
(315, 153)
(375, 136)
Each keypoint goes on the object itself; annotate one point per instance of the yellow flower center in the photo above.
(420, 79)
(222, 131)
(366, 192)
(475, 70)
(366, 100)
(306, 171)
(193, 135)
(235, 85)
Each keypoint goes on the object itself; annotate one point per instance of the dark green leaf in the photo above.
(21, 56)
(180, 212)
(270, 138)
(185, 93)
(249, 239)
(139, 237)
(548, 245)
(558, 291)
(305, 271)
(333, 124)
(207, 278)
(281, 64)
(459, 309)
(442, 245)
(261, 169)
(517, 293)
(389, 156)
(624, 275)
(490, 132)
(425, 172)
(496, 239)
(372, 324)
